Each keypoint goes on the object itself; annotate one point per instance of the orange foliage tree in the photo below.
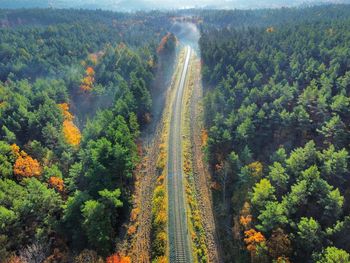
(132, 230)
(204, 137)
(25, 166)
(57, 256)
(166, 40)
(246, 217)
(245, 220)
(115, 258)
(253, 239)
(57, 183)
(14, 259)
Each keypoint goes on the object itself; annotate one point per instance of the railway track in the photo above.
(179, 240)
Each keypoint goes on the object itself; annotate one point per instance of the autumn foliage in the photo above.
(57, 183)
(256, 168)
(270, 29)
(167, 41)
(25, 166)
(204, 137)
(71, 132)
(65, 111)
(245, 220)
(15, 150)
(246, 217)
(116, 258)
(56, 256)
(253, 239)
(93, 58)
(131, 230)
(283, 260)
(134, 213)
(14, 259)
(88, 81)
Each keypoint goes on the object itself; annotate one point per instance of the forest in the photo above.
(80, 88)
(75, 93)
(276, 112)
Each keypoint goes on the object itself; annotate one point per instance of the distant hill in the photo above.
(135, 5)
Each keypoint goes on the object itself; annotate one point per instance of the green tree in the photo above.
(97, 226)
(334, 255)
(279, 177)
(7, 160)
(272, 216)
(112, 197)
(263, 192)
(309, 235)
(72, 219)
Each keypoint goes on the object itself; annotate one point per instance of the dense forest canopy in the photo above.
(276, 110)
(75, 90)
(267, 17)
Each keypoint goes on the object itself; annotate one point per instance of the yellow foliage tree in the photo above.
(270, 29)
(71, 133)
(65, 111)
(134, 213)
(15, 150)
(88, 81)
(283, 260)
(256, 168)
(93, 58)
